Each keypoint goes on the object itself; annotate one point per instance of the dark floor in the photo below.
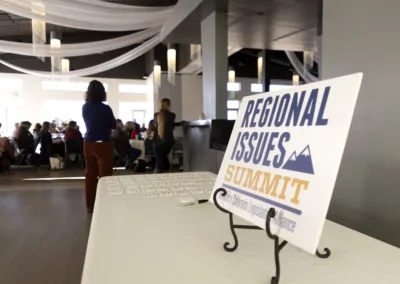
(44, 228)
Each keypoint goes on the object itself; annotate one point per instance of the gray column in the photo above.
(214, 42)
(266, 70)
(360, 35)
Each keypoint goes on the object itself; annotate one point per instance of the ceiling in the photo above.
(253, 25)
(12, 26)
(260, 24)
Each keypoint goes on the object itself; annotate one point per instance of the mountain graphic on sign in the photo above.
(300, 163)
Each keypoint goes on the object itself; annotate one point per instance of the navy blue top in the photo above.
(99, 120)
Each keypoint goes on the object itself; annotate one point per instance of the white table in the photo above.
(138, 144)
(138, 236)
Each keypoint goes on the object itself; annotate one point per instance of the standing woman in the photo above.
(98, 147)
(163, 135)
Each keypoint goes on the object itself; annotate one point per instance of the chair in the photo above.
(19, 154)
(120, 157)
(177, 152)
(149, 151)
(74, 147)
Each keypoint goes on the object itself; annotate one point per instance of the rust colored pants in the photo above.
(99, 159)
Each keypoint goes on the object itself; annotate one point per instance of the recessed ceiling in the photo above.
(259, 24)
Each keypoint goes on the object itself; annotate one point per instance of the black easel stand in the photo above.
(277, 245)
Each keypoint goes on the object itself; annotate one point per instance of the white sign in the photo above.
(285, 152)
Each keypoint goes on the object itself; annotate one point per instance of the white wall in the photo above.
(30, 102)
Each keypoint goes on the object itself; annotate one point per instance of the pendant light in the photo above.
(171, 57)
(296, 79)
(156, 78)
(55, 44)
(64, 65)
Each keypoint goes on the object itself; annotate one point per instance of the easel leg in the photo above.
(231, 224)
(235, 238)
(325, 254)
(277, 248)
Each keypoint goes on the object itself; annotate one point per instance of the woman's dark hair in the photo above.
(96, 92)
(46, 126)
(37, 127)
(71, 125)
(137, 127)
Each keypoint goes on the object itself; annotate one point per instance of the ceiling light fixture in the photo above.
(64, 65)
(171, 57)
(156, 78)
(259, 67)
(296, 80)
(55, 44)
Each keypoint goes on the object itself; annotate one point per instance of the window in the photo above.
(133, 89)
(256, 88)
(233, 104)
(67, 86)
(233, 87)
(278, 87)
(139, 116)
(233, 107)
(63, 111)
(10, 84)
(232, 114)
(143, 112)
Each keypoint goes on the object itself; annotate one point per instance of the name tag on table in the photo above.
(166, 193)
(150, 194)
(133, 191)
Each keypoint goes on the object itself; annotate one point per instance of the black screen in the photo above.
(221, 130)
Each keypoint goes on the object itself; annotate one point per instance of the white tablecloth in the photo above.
(138, 144)
(141, 234)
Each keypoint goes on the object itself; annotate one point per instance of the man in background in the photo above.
(25, 139)
(122, 145)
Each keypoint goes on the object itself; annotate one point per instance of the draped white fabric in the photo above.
(89, 15)
(134, 53)
(299, 67)
(111, 5)
(77, 49)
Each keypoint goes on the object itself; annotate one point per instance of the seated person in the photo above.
(36, 133)
(64, 128)
(128, 129)
(149, 134)
(73, 138)
(6, 154)
(47, 148)
(143, 128)
(121, 140)
(53, 129)
(25, 139)
(72, 131)
(136, 131)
